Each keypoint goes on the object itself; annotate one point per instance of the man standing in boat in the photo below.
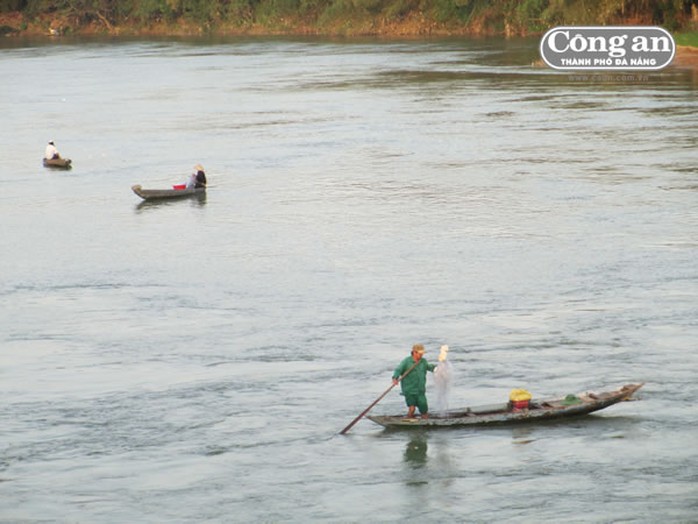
(51, 152)
(414, 383)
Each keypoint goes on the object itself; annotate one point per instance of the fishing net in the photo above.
(443, 377)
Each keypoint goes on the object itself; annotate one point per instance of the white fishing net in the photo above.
(443, 378)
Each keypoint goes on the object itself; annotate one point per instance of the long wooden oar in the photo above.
(377, 400)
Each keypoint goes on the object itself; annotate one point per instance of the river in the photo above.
(194, 361)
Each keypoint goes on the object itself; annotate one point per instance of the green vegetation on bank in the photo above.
(509, 17)
(687, 39)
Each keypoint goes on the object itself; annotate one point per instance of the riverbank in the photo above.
(328, 18)
(413, 25)
(686, 57)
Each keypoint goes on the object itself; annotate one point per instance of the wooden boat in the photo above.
(495, 414)
(162, 194)
(58, 163)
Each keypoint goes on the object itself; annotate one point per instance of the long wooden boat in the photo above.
(58, 163)
(494, 414)
(161, 194)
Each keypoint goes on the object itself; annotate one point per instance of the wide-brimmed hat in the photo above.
(419, 348)
(199, 167)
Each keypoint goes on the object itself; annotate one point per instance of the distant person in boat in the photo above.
(197, 178)
(414, 384)
(51, 151)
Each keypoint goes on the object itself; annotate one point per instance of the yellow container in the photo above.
(518, 395)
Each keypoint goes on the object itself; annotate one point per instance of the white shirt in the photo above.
(51, 151)
(191, 183)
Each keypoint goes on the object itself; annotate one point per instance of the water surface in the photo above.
(193, 361)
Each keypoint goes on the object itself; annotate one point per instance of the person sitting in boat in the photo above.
(414, 383)
(198, 178)
(51, 152)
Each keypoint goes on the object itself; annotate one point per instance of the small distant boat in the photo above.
(58, 163)
(500, 414)
(163, 194)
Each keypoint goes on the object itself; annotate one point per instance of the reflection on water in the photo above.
(415, 459)
(416, 451)
(522, 435)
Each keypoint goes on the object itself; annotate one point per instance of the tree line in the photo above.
(475, 16)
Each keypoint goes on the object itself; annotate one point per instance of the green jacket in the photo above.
(415, 382)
